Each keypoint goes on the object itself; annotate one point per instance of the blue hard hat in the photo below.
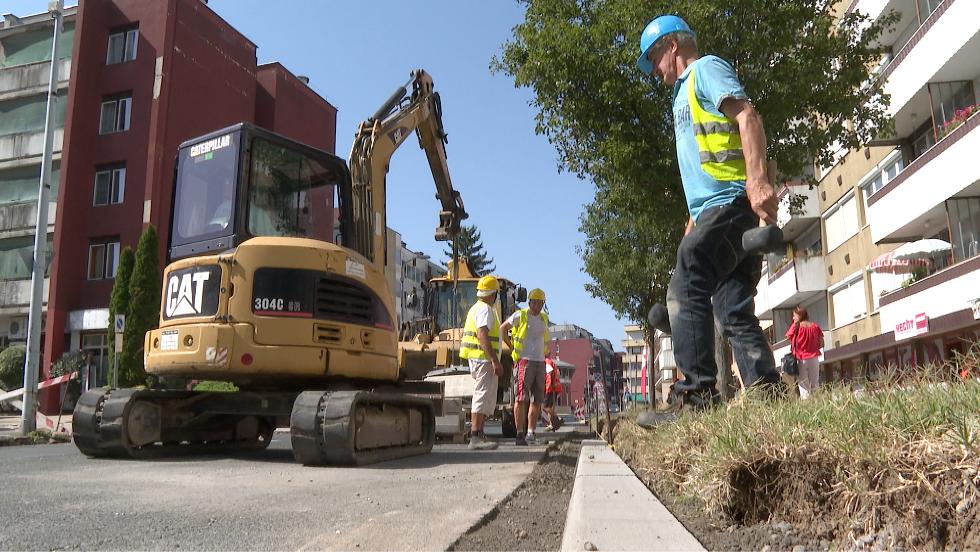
(654, 31)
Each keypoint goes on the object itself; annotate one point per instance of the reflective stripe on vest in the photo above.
(719, 143)
(518, 332)
(470, 344)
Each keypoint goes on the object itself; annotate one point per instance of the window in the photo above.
(810, 243)
(122, 46)
(878, 177)
(115, 114)
(964, 226)
(17, 257)
(103, 258)
(923, 139)
(110, 186)
(841, 221)
(848, 301)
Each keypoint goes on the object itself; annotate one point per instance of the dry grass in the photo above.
(846, 454)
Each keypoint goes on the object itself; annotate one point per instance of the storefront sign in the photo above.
(912, 327)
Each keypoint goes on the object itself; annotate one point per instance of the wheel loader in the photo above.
(260, 293)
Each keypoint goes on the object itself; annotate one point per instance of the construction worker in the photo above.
(526, 333)
(481, 346)
(721, 152)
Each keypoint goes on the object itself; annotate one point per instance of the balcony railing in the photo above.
(15, 295)
(31, 144)
(31, 78)
(798, 208)
(20, 216)
(799, 280)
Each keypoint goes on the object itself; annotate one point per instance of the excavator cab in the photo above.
(243, 181)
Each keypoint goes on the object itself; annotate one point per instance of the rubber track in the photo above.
(322, 431)
(98, 428)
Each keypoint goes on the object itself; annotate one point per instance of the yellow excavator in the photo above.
(428, 347)
(261, 293)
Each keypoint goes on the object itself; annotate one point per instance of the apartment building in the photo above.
(25, 54)
(920, 184)
(145, 77)
(893, 227)
(634, 362)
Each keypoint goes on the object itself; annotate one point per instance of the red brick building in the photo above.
(147, 75)
(577, 346)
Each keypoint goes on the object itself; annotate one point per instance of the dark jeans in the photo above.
(713, 270)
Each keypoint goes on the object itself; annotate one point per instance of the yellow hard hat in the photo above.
(537, 294)
(488, 283)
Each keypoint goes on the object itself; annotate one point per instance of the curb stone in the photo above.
(611, 509)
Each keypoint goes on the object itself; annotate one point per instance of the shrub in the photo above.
(12, 367)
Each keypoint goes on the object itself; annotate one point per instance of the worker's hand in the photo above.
(509, 343)
(690, 226)
(762, 199)
(498, 368)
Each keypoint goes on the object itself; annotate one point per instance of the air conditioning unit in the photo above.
(17, 328)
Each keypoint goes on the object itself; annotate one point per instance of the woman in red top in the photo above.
(805, 342)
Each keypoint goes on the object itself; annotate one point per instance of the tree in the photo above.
(143, 312)
(119, 300)
(470, 246)
(807, 73)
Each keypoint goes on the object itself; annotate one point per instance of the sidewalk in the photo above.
(611, 509)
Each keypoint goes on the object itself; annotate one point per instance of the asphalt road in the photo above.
(52, 498)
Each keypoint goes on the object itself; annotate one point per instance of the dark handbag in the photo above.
(790, 365)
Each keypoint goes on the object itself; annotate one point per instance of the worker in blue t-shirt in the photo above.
(721, 151)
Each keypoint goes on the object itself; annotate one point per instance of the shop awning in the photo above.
(887, 262)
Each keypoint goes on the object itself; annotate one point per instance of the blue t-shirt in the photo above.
(714, 82)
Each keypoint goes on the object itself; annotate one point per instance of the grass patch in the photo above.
(900, 459)
(216, 386)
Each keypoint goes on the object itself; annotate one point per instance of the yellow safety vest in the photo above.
(470, 345)
(719, 143)
(518, 332)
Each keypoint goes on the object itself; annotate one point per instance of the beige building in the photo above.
(882, 305)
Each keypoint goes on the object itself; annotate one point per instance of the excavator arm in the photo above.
(376, 141)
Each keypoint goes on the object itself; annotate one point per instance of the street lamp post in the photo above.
(28, 421)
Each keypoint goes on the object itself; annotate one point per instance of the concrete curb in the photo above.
(611, 509)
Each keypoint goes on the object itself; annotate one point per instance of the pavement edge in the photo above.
(611, 509)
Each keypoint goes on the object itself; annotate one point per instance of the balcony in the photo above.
(15, 217)
(25, 145)
(15, 295)
(912, 205)
(798, 209)
(799, 280)
(948, 291)
(32, 78)
(946, 48)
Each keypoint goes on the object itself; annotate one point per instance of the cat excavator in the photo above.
(262, 294)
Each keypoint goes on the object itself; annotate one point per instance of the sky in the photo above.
(357, 53)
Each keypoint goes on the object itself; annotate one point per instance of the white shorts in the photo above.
(484, 386)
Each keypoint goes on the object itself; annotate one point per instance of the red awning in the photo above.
(888, 263)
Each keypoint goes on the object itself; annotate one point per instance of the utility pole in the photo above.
(28, 422)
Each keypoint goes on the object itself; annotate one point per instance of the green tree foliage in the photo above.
(119, 300)
(470, 246)
(806, 73)
(143, 313)
(12, 367)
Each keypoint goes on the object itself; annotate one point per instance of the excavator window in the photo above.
(290, 194)
(207, 179)
(446, 316)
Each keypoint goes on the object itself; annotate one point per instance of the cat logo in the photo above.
(397, 135)
(185, 293)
